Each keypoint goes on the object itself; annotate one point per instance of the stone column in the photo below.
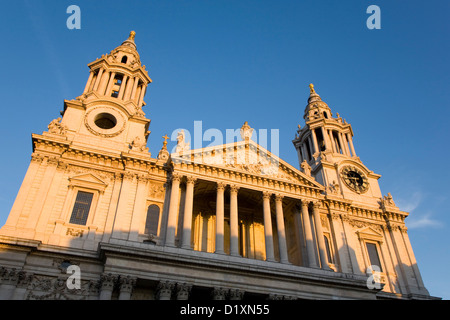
(268, 226)
(119, 228)
(122, 87)
(326, 139)
(139, 208)
(319, 235)
(188, 206)
(312, 262)
(314, 139)
(128, 89)
(133, 91)
(88, 83)
(141, 96)
(220, 230)
(110, 84)
(98, 79)
(126, 287)
(183, 291)
(42, 193)
(330, 138)
(350, 140)
(173, 211)
(107, 286)
(341, 142)
(281, 230)
(103, 83)
(234, 224)
(164, 290)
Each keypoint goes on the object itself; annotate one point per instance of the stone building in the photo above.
(97, 217)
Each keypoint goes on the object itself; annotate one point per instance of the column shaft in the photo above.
(320, 239)
(88, 83)
(173, 211)
(220, 218)
(281, 230)
(234, 227)
(98, 79)
(122, 87)
(270, 256)
(188, 207)
(312, 262)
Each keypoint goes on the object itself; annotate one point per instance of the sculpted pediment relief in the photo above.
(247, 157)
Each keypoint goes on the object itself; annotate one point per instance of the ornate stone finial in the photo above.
(165, 141)
(311, 88)
(246, 131)
(132, 35)
(163, 153)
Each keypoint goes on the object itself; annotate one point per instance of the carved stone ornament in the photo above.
(138, 145)
(55, 127)
(182, 145)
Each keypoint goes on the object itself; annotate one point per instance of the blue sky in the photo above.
(226, 62)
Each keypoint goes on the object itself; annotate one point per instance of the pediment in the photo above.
(88, 180)
(246, 157)
(369, 233)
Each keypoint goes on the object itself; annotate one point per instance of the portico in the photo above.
(245, 212)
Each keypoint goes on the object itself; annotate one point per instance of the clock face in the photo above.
(355, 179)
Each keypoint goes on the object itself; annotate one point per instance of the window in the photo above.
(373, 254)
(328, 248)
(124, 59)
(152, 222)
(105, 120)
(81, 208)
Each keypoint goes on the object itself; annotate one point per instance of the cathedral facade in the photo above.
(97, 217)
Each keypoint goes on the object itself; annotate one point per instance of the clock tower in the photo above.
(326, 152)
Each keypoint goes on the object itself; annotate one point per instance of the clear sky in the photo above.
(226, 62)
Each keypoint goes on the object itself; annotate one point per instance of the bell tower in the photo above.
(109, 111)
(326, 152)
(97, 146)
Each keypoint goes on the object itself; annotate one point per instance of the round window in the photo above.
(105, 121)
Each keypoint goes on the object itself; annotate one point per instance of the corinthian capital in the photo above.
(234, 188)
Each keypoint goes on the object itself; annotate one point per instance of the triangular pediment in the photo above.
(247, 157)
(369, 233)
(88, 180)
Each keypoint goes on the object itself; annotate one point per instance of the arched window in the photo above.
(124, 59)
(152, 222)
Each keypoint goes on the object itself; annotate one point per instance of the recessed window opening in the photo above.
(105, 121)
(152, 222)
(373, 255)
(124, 59)
(320, 140)
(336, 142)
(81, 208)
